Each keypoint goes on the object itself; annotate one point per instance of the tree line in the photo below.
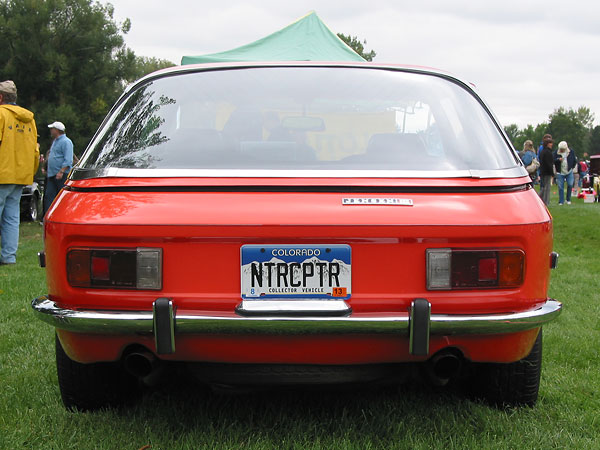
(69, 62)
(564, 124)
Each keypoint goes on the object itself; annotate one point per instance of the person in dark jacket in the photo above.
(546, 168)
(564, 161)
(539, 152)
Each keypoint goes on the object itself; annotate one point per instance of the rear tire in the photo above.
(89, 387)
(513, 384)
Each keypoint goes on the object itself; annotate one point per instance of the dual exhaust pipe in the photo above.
(443, 366)
(440, 369)
(144, 366)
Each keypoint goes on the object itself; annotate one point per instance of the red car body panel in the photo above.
(201, 231)
(342, 350)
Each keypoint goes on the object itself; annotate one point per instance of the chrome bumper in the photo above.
(144, 322)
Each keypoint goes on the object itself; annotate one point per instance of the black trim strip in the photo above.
(316, 189)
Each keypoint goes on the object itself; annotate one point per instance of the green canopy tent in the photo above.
(307, 39)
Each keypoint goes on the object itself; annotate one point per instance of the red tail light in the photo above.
(100, 268)
(470, 269)
(487, 269)
(139, 268)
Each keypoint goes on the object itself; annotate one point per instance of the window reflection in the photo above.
(131, 135)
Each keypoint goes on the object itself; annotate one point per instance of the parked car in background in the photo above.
(594, 175)
(298, 223)
(31, 202)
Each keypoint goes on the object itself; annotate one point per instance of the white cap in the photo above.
(58, 125)
(562, 145)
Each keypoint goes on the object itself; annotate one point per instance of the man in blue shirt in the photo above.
(60, 161)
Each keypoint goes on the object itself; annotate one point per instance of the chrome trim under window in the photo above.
(84, 174)
(140, 322)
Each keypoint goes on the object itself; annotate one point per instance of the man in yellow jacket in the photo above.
(19, 160)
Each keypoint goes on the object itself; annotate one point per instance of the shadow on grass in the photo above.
(181, 406)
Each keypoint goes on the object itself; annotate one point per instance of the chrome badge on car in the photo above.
(377, 201)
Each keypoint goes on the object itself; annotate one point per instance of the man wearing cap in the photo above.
(60, 161)
(19, 160)
(565, 162)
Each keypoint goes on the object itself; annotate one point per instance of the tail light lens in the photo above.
(139, 268)
(469, 269)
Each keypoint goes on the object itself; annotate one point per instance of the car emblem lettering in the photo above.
(377, 201)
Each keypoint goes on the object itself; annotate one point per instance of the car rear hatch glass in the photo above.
(302, 119)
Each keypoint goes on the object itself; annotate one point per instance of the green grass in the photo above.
(415, 416)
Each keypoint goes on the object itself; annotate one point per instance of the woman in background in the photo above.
(546, 168)
(529, 159)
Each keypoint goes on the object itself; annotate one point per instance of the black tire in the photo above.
(513, 384)
(89, 387)
(34, 208)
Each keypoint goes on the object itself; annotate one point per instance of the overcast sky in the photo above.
(526, 57)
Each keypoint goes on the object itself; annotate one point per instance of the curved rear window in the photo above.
(300, 118)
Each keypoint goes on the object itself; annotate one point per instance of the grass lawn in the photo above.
(415, 416)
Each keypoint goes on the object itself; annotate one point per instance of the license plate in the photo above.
(296, 271)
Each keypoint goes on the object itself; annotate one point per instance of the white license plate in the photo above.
(296, 271)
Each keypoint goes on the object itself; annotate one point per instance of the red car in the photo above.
(298, 223)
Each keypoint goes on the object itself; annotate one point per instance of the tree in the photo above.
(518, 136)
(359, 47)
(585, 117)
(571, 126)
(513, 133)
(143, 65)
(594, 147)
(69, 61)
(530, 133)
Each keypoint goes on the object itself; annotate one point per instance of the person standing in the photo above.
(546, 168)
(575, 190)
(539, 157)
(529, 159)
(60, 161)
(583, 172)
(564, 161)
(19, 160)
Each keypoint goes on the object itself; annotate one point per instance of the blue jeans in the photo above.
(560, 180)
(51, 190)
(10, 215)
